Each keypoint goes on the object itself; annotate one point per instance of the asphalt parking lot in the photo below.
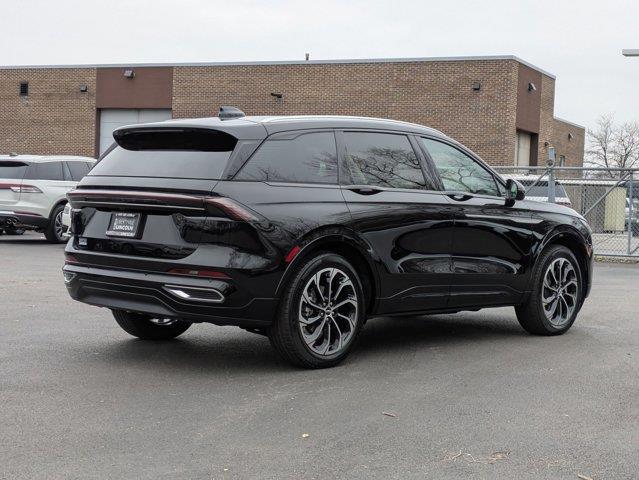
(469, 395)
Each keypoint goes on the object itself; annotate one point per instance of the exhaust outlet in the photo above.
(195, 294)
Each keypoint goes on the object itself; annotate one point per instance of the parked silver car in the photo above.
(538, 191)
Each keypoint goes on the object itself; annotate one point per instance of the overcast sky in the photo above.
(578, 41)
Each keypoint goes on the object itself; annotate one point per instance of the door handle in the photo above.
(460, 197)
(365, 189)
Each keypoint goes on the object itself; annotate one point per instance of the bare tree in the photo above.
(612, 145)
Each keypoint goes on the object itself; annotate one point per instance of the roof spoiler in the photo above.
(228, 113)
(174, 138)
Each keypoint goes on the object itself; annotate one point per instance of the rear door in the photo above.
(49, 177)
(492, 240)
(11, 174)
(398, 210)
(291, 180)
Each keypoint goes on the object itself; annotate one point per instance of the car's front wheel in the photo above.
(320, 314)
(556, 295)
(149, 328)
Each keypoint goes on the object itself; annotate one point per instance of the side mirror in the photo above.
(514, 190)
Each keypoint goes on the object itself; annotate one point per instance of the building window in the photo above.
(562, 160)
(24, 89)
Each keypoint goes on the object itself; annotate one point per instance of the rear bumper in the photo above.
(147, 293)
(10, 218)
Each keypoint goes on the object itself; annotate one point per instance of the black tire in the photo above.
(14, 231)
(142, 326)
(286, 334)
(532, 315)
(52, 232)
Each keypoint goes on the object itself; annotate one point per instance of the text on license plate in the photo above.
(124, 225)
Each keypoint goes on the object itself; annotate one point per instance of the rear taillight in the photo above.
(214, 206)
(25, 189)
(231, 208)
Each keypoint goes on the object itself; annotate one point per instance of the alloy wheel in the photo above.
(327, 315)
(58, 227)
(560, 292)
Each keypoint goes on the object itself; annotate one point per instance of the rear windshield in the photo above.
(197, 154)
(13, 170)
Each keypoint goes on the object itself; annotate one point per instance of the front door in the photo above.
(404, 220)
(492, 240)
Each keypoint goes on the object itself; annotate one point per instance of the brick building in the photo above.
(500, 107)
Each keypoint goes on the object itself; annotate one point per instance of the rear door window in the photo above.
(45, 171)
(12, 170)
(383, 160)
(302, 158)
(78, 170)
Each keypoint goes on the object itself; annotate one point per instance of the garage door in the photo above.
(112, 118)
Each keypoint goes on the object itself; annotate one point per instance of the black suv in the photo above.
(301, 228)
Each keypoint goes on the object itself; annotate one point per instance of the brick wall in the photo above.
(438, 94)
(571, 148)
(56, 118)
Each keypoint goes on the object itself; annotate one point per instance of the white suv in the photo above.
(33, 191)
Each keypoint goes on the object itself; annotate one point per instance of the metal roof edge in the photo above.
(570, 123)
(286, 62)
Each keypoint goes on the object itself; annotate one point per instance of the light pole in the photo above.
(630, 52)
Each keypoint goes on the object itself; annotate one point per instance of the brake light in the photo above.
(79, 198)
(231, 208)
(25, 189)
(199, 273)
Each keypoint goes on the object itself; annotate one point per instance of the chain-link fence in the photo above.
(607, 197)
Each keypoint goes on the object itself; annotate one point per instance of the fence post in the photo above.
(630, 212)
(551, 183)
